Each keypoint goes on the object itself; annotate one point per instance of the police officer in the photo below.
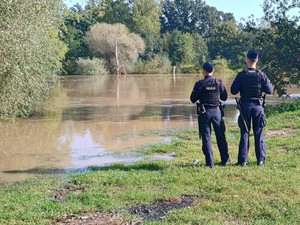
(251, 83)
(208, 93)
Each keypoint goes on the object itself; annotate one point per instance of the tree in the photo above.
(211, 18)
(30, 54)
(276, 10)
(145, 17)
(115, 11)
(139, 16)
(200, 49)
(115, 43)
(191, 16)
(227, 42)
(145, 22)
(76, 23)
(279, 54)
(279, 44)
(180, 47)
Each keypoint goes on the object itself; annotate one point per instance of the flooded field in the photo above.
(99, 121)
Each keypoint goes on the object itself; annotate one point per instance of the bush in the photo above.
(189, 69)
(160, 64)
(93, 66)
(221, 67)
(69, 67)
(30, 55)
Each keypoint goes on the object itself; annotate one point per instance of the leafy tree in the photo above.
(191, 16)
(279, 44)
(227, 42)
(276, 10)
(211, 18)
(30, 54)
(179, 14)
(145, 22)
(200, 49)
(279, 54)
(115, 11)
(76, 23)
(115, 43)
(180, 47)
(145, 16)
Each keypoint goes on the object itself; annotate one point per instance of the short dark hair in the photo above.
(252, 55)
(208, 67)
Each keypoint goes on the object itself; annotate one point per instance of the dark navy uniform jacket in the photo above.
(265, 85)
(197, 88)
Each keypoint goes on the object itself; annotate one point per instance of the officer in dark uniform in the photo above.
(208, 93)
(251, 83)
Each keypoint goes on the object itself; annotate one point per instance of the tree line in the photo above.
(40, 39)
(184, 33)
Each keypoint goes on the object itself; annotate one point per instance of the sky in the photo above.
(239, 8)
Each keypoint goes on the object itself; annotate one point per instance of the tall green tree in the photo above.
(76, 24)
(227, 42)
(179, 14)
(180, 47)
(145, 16)
(115, 11)
(30, 54)
(279, 54)
(145, 22)
(200, 49)
(279, 44)
(191, 16)
(276, 10)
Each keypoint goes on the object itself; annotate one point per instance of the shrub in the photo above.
(221, 67)
(160, 64)
(189, 69)
(93, 66)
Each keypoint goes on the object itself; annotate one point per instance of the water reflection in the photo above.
(92, 119)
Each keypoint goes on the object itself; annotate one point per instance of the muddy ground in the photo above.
(155, 211)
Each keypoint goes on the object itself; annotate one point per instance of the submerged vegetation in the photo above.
(222, 195)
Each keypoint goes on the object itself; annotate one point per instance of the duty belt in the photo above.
(250, 101)
(210, 107)
(260, 101)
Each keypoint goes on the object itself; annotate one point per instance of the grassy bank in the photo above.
(222, 195)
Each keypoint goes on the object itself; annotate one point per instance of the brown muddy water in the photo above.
(96, 121)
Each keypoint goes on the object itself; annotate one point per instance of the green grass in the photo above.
(277, 109)
(225, 195)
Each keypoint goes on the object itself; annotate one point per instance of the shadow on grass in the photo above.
(39, 171)
(151, 166)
